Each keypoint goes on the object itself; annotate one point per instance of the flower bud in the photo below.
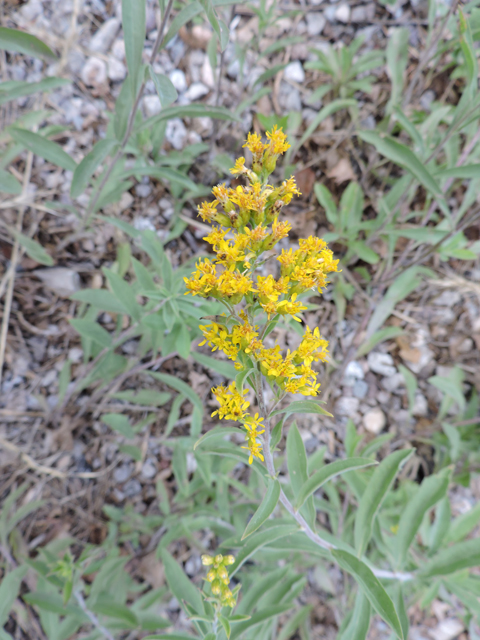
(216, 587)
(211, 575)
(228, 560)
(207, 560)
(218, 558)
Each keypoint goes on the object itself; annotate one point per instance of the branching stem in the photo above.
(314, 537)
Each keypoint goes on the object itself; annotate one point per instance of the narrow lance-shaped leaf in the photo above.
(87, 166)
(359, 624)
(133, 23)
(44, 148)
(460, 556)
(14, 40)
(327, 473)
(179, 584)
(9, 184)
(430, 492)
(265, 509)
(165, 89)
(403, 156)
(297, 469)
(33, 248)
(372, 588)
(374, 494)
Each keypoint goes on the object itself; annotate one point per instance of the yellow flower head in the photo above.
(232, 404)
(255, 145)
(278, 141)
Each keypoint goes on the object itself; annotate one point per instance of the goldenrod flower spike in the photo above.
(249, 226)
(219, 579)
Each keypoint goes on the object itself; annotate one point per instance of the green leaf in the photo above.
(324, 197)
(373, 496)
(460, 556)
(328, 472)
(165, 89)
(324, 113)
(9, 184)
(9, 590)
(179, 385)
(387, 333)
(302, 406)
(133, 23)
(171, 636)
(265, 509)
(92, 330)
(430, 492)
(188, 12)
(362, 251)
(226, 625)
(258, 540)
(86, 168)
(100, 299)
(179, 584)
(124, 293)
(114, 610)
(410, 383)
(11, 90)
(188, 111)
(44, 148)
(359, 624)
(463, 524)
(258, 617)
(372, 588)
(33, 248)
(14, 40)
(218, 432)
(465, 172)
(403, 156)
(119, 422)
(150, 397)
(222, 367)
(296, 459)
(289, 628)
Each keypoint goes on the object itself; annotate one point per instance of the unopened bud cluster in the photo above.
(218, 577)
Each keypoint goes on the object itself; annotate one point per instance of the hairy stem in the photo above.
(92, 617)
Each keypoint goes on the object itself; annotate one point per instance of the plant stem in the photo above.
(92, 617)
(314, 537)
(131, 119)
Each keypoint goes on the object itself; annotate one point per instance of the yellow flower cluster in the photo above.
(248, 228)
(218, 577)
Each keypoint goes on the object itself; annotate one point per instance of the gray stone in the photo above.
(63, 281)
(346, 406)
(103, 38)
(193, 566)
(374, 421)
(448, 629)
(176, 133)
(196, 91)
(294, 72)
(355, 370)
(118, 49)
(448, 298)
(149, 468)
(117, 71)
(94, 72)
(122, 473)
(289, 98)
(151, 106)
(342, 14)
(141, 223)
(315, 23)
(394, 383)
(381, 363)
(420, 406)
(427, 98)
(360, 389)
(32, 9)
(329, 13)
(363, 13)
(177, 78)
(75, 354)
(143, 190)
(132, 488)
